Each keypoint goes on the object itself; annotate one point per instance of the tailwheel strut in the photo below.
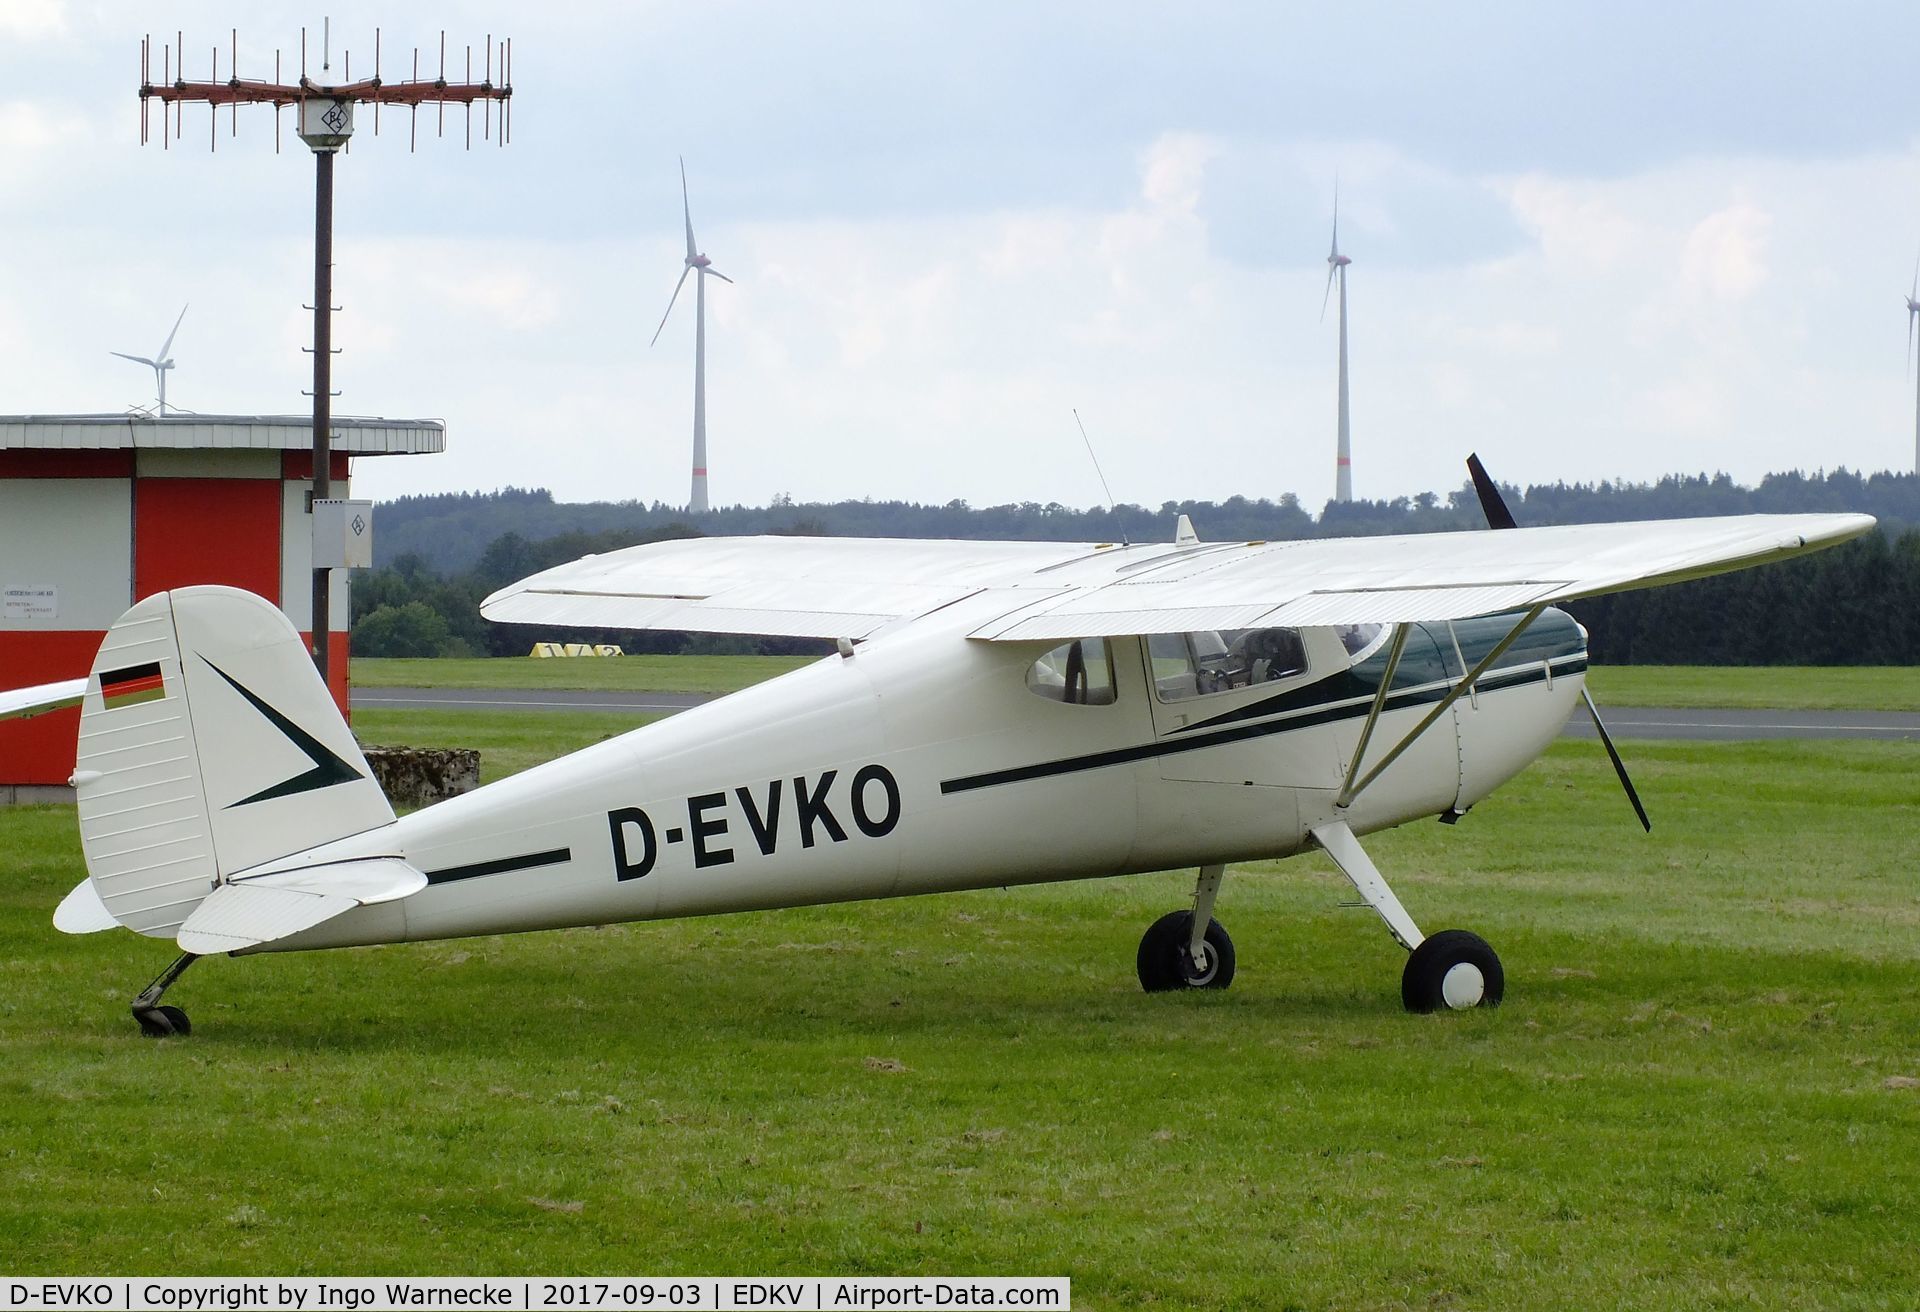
(156, 1021)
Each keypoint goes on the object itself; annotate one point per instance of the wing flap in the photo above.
(791, 587)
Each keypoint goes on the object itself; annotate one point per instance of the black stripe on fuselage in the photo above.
(501, 866)
(1326, 713)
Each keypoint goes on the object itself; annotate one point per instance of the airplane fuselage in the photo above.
(926, 762)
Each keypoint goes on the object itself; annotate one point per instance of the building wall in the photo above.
(93, 531)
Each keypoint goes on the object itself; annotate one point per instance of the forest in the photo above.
(1858, 604)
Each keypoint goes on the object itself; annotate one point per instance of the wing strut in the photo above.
(1347, 790)
(1353, 790)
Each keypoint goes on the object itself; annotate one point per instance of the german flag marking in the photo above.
(131, 686)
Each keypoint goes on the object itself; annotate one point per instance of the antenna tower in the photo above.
(323, 118)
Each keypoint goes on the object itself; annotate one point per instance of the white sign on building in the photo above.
(20, 602)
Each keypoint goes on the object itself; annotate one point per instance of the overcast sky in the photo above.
(1611, 240)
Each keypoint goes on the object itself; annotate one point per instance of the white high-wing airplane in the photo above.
(999, 713)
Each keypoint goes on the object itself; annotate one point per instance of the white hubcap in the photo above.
(1463, 986)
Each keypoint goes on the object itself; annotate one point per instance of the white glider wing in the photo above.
(1434, 576)
(793, 587)
(24, 703)
(849, 587)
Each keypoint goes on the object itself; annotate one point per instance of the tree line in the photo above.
(1858, 604)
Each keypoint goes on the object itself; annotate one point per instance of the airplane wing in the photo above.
(23, 703)
(849, 587)
(791, 587)
(1433, 576)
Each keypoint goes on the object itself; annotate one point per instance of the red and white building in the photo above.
(98, 511)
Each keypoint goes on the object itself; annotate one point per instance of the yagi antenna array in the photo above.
(174, 89)
(323, 118)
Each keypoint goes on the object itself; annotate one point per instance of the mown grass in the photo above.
(1874, 688)
(1778, 687)
(1695, 1097)
(644, 673)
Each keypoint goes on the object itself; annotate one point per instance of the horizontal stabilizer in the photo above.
(24, 703)
(82, 911)
(249, 912)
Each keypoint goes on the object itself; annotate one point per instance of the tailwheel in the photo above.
(163, 1022)
(1454, 970)
(1170, 958)
(156, 1021)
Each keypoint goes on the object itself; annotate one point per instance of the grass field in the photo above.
(1701, 1092)
(1784, 687)
(1890, 688)
(608, 674)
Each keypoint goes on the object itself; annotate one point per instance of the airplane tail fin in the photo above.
(208, 745)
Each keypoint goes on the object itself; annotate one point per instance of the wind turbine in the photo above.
(1913, 311)
(1337, 268)
(160, 365)
(700, 264)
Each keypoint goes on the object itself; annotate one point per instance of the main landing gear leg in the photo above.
(1188, 949)
(1452, 969)
(156, 1021)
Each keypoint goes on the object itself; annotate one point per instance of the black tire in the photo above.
(1423, 985)
(164, 1023)
(1164, 964)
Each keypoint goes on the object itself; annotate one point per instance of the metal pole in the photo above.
(322, 385)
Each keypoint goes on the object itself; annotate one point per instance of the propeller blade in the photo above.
(1334, 252)
(1914, 295)
(1494, 507)
(168, 344)
(1619, 766)
(670, 300)
(686, 209)
(1910, 314)
(1324, 296)
(137, 359)
(716, 273)
(1492, 504)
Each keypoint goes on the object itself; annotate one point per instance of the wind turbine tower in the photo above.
(159, 364)
(1337, 270)
(700, 264)
(1913, 311)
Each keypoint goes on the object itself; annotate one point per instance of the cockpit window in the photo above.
(1196, 664)
(1079, 673)
(1361, 640)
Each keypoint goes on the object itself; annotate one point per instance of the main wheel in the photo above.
(163, 1022)
(1452, 969)
(1165, 963)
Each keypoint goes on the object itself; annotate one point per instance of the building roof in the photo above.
(355, 435)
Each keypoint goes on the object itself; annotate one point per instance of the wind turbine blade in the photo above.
(686, 210)
(1335, 250)
(168, 344)
(137, 359)
(1331, 270)
(1909, 357)
(1914, 295)
(716, 273)
(670, 300)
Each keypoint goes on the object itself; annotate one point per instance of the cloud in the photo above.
(1724, 256)
(31, 20)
